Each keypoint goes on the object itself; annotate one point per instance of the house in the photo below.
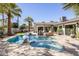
(45, 27)
(67, 26)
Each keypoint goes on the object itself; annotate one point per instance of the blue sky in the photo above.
(43, 12)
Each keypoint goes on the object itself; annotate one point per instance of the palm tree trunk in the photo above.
(18, 21)
(9, 23)
(29, 26)
(3, 22)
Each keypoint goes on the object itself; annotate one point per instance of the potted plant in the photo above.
(72, 33)
(59, 31)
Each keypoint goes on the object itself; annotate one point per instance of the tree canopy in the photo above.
(72, 6)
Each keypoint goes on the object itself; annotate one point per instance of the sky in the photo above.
(43, 12)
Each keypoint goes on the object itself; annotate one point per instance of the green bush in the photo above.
(77, 34)
(0, 28)
(60, 31)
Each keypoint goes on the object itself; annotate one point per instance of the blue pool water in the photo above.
(40, 38)
(45, 42)
(18, 39)
(38, 41)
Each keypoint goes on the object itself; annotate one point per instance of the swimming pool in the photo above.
(18, 39)
(40, 38)
(38, 41)
(45, 42)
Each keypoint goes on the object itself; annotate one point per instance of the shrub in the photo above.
(77, 34)
(0, 28)
(60, 31)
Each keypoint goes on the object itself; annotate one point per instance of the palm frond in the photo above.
(73, 6)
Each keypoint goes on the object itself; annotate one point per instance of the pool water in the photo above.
(40, 38)
(38, 41)
(17, 39)
(45, 42)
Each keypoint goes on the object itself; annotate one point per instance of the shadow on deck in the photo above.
(72, 51)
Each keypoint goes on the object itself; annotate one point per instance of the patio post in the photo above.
(43, 28)
(77, 30)
(63, 28)
(36, 28)
(52, 28)
(57, 29)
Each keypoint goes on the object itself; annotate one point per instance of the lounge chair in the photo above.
(40, 33)
(50, 34)
(33, 33)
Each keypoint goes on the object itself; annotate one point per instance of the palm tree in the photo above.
(72, 6)
(2, 11)
(29, 20)
(12, 10)
(18, 16)
(75, 8)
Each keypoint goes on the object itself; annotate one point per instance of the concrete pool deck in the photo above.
(71, 46)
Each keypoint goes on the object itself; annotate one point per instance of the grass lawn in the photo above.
(20, 33)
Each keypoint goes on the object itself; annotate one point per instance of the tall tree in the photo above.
(18, 16)
(2, 11)
(14, 25)
(23, 26)
(29, 20)
(12, 10)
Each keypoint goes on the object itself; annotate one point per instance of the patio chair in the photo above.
(50, 34)
(33, 33)
(40, 33)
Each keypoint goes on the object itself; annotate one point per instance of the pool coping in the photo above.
(5, 39)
